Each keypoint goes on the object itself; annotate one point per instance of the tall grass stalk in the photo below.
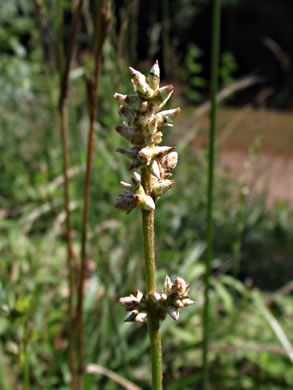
(63, 108)
(102, 27)
(210, 186)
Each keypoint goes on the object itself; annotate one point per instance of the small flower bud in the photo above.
(161, 151)
(131, 316)
(164, 297)
(155, 297)
(127, 186)
(139, 295)
(157, 137)
(150, 153)
(133, 101)
(152, 126)
(173, 312)
(140, 85)
(180, 287)
(168, 285)
(153, 78)
(161, 187)
(155, 169)
(129, 303)
(136, 179)
(130, 134)
(129, 152)
(162, 95)
(169, 162)
(146, 154)
(128, 114)
(187, 302)
(178, 303)
(140, 317)
(119, 97)
(145, 202)
(165, 118)
(126, 202)
(136, 305)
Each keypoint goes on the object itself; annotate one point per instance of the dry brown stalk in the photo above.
(63, 108)
(103, 22)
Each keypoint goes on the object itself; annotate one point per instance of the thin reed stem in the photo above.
(102, 28)
(70, 255)
(26, 367)
(150, 271)
(63, 108)
(210, 186)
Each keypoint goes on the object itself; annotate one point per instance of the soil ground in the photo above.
(258, 140)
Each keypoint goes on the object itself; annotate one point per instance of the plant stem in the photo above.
(210, 187)
(102, 27)
(59, 30)
(70, 255)
(64, 88)
(150, 271)
(26, 367)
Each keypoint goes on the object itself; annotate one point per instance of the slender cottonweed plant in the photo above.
(143, 124)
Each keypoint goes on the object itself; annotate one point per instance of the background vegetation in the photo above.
(251, 299)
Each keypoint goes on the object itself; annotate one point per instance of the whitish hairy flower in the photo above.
(173, 312)
(180, 288)
(169, 162)
(161, 187)
(145, 202)
(165, 118)
(155, 169)
(163, 95)
(150, 153)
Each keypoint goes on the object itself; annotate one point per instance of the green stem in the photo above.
(210, 187)
(150, 271)
(26, 368)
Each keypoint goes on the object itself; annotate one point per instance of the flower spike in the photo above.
(142, 123)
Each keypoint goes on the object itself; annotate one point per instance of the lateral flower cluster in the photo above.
(174, 297)
(143, 126)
